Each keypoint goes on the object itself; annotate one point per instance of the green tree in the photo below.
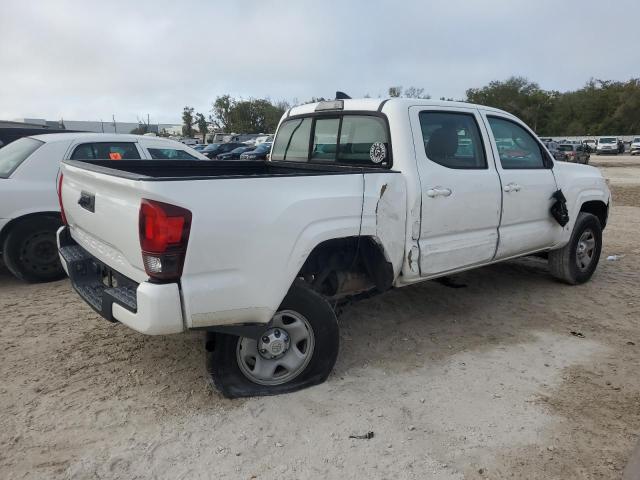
(246, 116)
(141, 129)
(220, 112)
(203, 125)
(518, 96)
(187, 122)
(409, 92)
(415, 92)
(395, 92)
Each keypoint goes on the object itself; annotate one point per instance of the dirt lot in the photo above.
(485, 381)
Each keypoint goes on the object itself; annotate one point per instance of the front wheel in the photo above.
(577, 260)
(297, 349)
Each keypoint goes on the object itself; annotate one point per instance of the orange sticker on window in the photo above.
(115, 156)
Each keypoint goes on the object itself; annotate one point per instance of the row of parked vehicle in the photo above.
(575, 152)
(579, 151)
(234, 151)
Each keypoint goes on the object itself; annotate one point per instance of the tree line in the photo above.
(601, 107)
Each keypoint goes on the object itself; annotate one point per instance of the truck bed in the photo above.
(165, 170)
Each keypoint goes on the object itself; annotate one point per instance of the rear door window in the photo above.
(13, 154)
(452, 140)
(106, 151)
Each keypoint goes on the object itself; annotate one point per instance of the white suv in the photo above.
(635, 146)
(29, 209)
(607, 146)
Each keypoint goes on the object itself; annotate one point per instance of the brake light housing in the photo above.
(164, 235)
(62, 214)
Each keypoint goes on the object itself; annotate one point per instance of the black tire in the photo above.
(30, 251)
(563, 263)
(223, 358)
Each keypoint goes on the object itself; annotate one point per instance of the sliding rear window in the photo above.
(337, 139)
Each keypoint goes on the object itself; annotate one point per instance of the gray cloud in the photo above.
(89, 59)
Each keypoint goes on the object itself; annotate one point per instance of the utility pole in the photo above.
(115, 128)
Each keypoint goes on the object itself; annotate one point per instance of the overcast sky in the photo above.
(87, 60)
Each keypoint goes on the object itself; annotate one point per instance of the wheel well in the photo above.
(15, 221)
(597, 208)
(347, 266)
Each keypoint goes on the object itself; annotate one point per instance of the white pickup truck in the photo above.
(359, 196)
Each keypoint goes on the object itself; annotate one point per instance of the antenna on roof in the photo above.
(342, 96)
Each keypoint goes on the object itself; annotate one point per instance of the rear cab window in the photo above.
(13, 154)
(337, 138)
(106, 151)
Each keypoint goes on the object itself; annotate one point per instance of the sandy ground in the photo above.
(485, 381)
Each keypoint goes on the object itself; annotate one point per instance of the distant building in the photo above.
(97, 126)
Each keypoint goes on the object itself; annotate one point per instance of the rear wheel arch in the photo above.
(346, 266)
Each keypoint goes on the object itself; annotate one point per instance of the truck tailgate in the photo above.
(102, 212)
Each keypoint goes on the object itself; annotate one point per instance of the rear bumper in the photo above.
(153, 309)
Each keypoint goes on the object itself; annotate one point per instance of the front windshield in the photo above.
(565, 148)
(607, 140)
(12, 155)
(212, 147)
(636, 140)
(239, 150)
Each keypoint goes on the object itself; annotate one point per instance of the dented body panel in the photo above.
(384, 215)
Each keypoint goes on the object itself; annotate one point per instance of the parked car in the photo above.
(635, 146)
(235, 153)
(555, 152)
(591, 144)
(574, 153)
(258, 254)
(214, 149)
(29, 208)
(11, 134)
(607, 146)
(264, 139)
(259, 153)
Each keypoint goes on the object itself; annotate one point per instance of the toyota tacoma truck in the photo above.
(356, 198)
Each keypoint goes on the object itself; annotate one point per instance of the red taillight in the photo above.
(64, 217)
(164, 233)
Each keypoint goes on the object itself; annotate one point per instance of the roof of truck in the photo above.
(377, 104)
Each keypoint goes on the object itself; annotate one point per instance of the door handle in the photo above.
(512, 187)
(438, 192)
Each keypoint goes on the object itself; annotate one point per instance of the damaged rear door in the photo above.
(461, 196)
